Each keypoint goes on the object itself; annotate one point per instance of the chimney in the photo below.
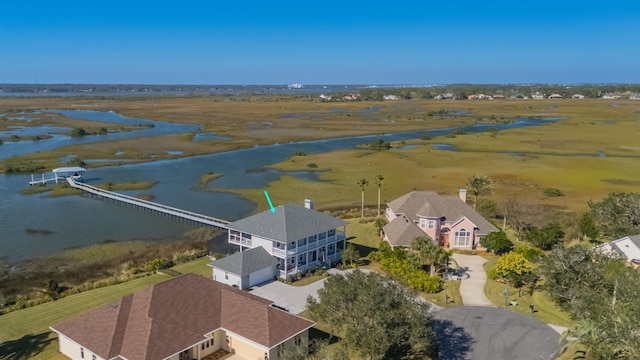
(308, 203)
(463, 195)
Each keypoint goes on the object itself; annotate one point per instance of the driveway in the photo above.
(290, 298)
(479, 333)
(473, 280)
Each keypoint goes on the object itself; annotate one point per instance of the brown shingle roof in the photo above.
(430, 204)
(162, 320)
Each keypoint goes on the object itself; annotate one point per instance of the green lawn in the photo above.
(452, 289)
(544, 309)
(198, 266)
(25, 334)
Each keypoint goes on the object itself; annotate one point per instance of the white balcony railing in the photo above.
(237, 240)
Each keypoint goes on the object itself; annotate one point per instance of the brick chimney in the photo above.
(308, 203)
(463, 195)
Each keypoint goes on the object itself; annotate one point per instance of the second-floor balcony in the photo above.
(238, 240)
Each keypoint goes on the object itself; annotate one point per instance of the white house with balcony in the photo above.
(299, 237)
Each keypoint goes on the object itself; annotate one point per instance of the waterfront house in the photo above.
(577, 96)
(299, 237)
(555, 96)
(537, 96)
(188, 317)
(447, 220)
(246, 268)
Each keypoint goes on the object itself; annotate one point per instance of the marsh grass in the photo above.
(131, 185)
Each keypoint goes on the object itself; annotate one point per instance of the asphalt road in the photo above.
(483, 333)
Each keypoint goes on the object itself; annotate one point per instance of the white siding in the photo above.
(230, 279)
(266, 244)
(261, 276)
(69, 348)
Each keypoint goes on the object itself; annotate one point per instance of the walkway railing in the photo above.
(184, 214)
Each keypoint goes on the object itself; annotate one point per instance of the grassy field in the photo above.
(198, 266)
(522, 163)
(25, 334)
(544, 309)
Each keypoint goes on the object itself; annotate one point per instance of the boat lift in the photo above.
(60, 174)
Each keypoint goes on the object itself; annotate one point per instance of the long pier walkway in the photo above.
(149, 205)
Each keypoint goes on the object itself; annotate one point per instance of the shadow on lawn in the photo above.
(26, 347)
(363, 250)
(453, 341)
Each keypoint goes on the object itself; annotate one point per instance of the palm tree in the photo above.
(428, 252)
(480, 185)
(379, 180)
(585, 333)
(363, 183)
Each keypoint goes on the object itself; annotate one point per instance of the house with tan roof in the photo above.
(447, 220)
(300, 238)
(188, 317)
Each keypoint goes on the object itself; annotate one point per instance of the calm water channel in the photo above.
(76, 221)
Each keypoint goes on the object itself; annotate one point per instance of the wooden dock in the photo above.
(149, 205)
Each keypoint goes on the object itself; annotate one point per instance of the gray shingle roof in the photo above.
(290, 222)
(245, 262)
(402, 231)
(431, 204)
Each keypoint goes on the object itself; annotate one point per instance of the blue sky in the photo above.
(319, 42)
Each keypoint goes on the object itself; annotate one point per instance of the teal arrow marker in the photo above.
(273, 210)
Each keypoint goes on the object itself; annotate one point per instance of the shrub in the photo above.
(158, 264)
(78, 132)
(312, 165)
(380, 144)
(497, 242)
(552, 192)
(546, 237)
(530, 254)
(299, 153)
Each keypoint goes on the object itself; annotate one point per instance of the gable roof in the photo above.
(402, 231)
(245, 262)
(290, 222)
(169, 317)
(430, 204)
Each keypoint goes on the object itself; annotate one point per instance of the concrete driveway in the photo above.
(480, 333)
(473, 280)
(291, 298)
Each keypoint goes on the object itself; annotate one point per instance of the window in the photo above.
(246, 236)
(302, 242)
(313, 238)
(432, 224)
(82, 353)
(332, 232)
(293, 260)
(340, 245)
(314, 255)
(302, 259)
(93, 357)
(323, 236)
(292, 245)
(332, 249)
(462, 238)
(226, 275)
